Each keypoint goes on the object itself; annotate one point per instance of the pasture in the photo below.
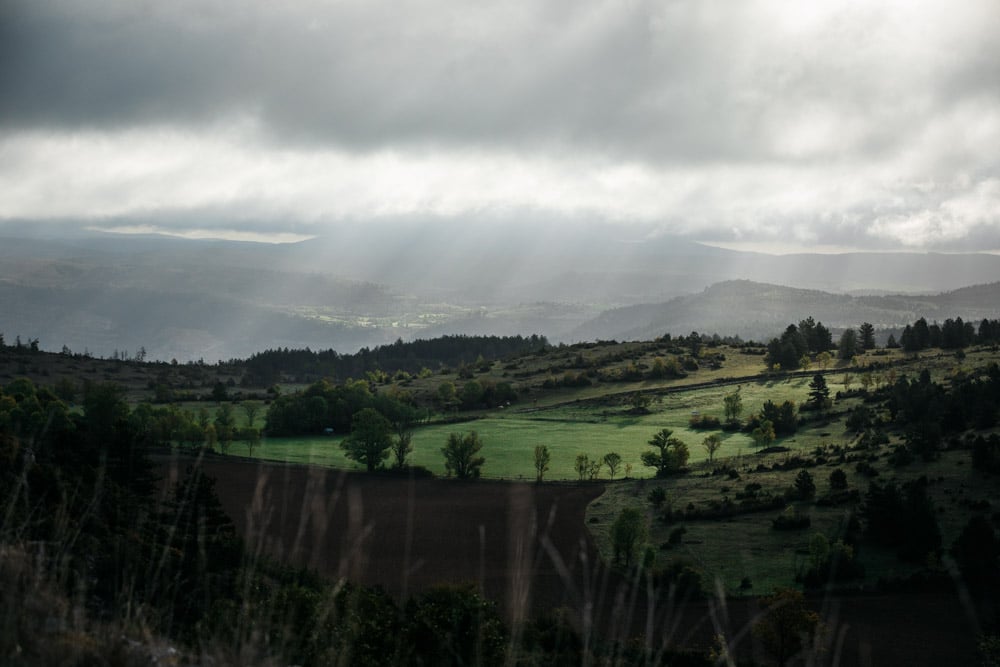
(593, 428)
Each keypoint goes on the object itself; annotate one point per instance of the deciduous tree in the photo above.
(612, 460)
(370, 439)
(401, 447)
(250, 410)
(225, 423)
(671, 453)
(542, 458)
(733, 406)
(252, 440)
(627, 534)
(712, 443)
(461, 455)
(763, 435)
(787, 626)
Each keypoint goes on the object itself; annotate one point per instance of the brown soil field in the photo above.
(527, 546)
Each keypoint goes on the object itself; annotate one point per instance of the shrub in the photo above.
(657, 496)
(867, 469)
(676, 537)
(705, 423)
(685, 578)
(805, 487)
(791, 521)
(831, 563)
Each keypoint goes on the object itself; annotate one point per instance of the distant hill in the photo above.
(370, 284)
(760, 310)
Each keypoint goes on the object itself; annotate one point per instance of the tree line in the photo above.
(267, 367)
(951, 335)
(799, 346)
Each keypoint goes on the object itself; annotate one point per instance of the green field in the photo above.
(509, 439)
(599, 419)
(596, 420)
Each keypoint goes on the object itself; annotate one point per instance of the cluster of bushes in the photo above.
(791, 521)
(323, 405)
(902, 517)
(662, 367)
(830, 563)
(705, 423)
(569, 379)
(722, 509)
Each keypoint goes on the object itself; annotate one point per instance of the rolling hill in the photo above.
(759, 310)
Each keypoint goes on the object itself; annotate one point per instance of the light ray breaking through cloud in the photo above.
(844, 124)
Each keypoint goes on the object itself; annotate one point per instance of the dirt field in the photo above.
(527, 546)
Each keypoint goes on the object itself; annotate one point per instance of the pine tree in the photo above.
(866, 335)
(819, 393)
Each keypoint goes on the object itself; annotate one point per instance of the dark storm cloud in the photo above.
(865, 124)
(351, 75)
(671, 81)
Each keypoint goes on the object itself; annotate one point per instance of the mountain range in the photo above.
(369, 285)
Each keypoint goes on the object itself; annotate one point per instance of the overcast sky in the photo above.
(820, 124)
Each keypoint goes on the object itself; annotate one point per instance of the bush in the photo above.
(833, 563)
(859, 419)
(705, 423)
(867, 469)
(790, 521)
(685, 577)
(841, 497)
(902, 517)
(805, 487)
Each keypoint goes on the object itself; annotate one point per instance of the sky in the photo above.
(836, 125)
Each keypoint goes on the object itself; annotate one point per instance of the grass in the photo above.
(572, 428)
(747, 546)
(592, 420)
(509, 439)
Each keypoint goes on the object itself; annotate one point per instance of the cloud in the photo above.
(837, 122)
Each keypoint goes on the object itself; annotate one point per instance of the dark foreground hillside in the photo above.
(527, 546)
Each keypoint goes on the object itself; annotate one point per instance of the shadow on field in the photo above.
(527, 546)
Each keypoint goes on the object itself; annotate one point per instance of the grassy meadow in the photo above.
(588, 427)
(743, 553)
(598, 419)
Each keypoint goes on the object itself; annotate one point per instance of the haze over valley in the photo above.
(365, 286)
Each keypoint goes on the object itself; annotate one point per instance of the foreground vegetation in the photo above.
(729, 466)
